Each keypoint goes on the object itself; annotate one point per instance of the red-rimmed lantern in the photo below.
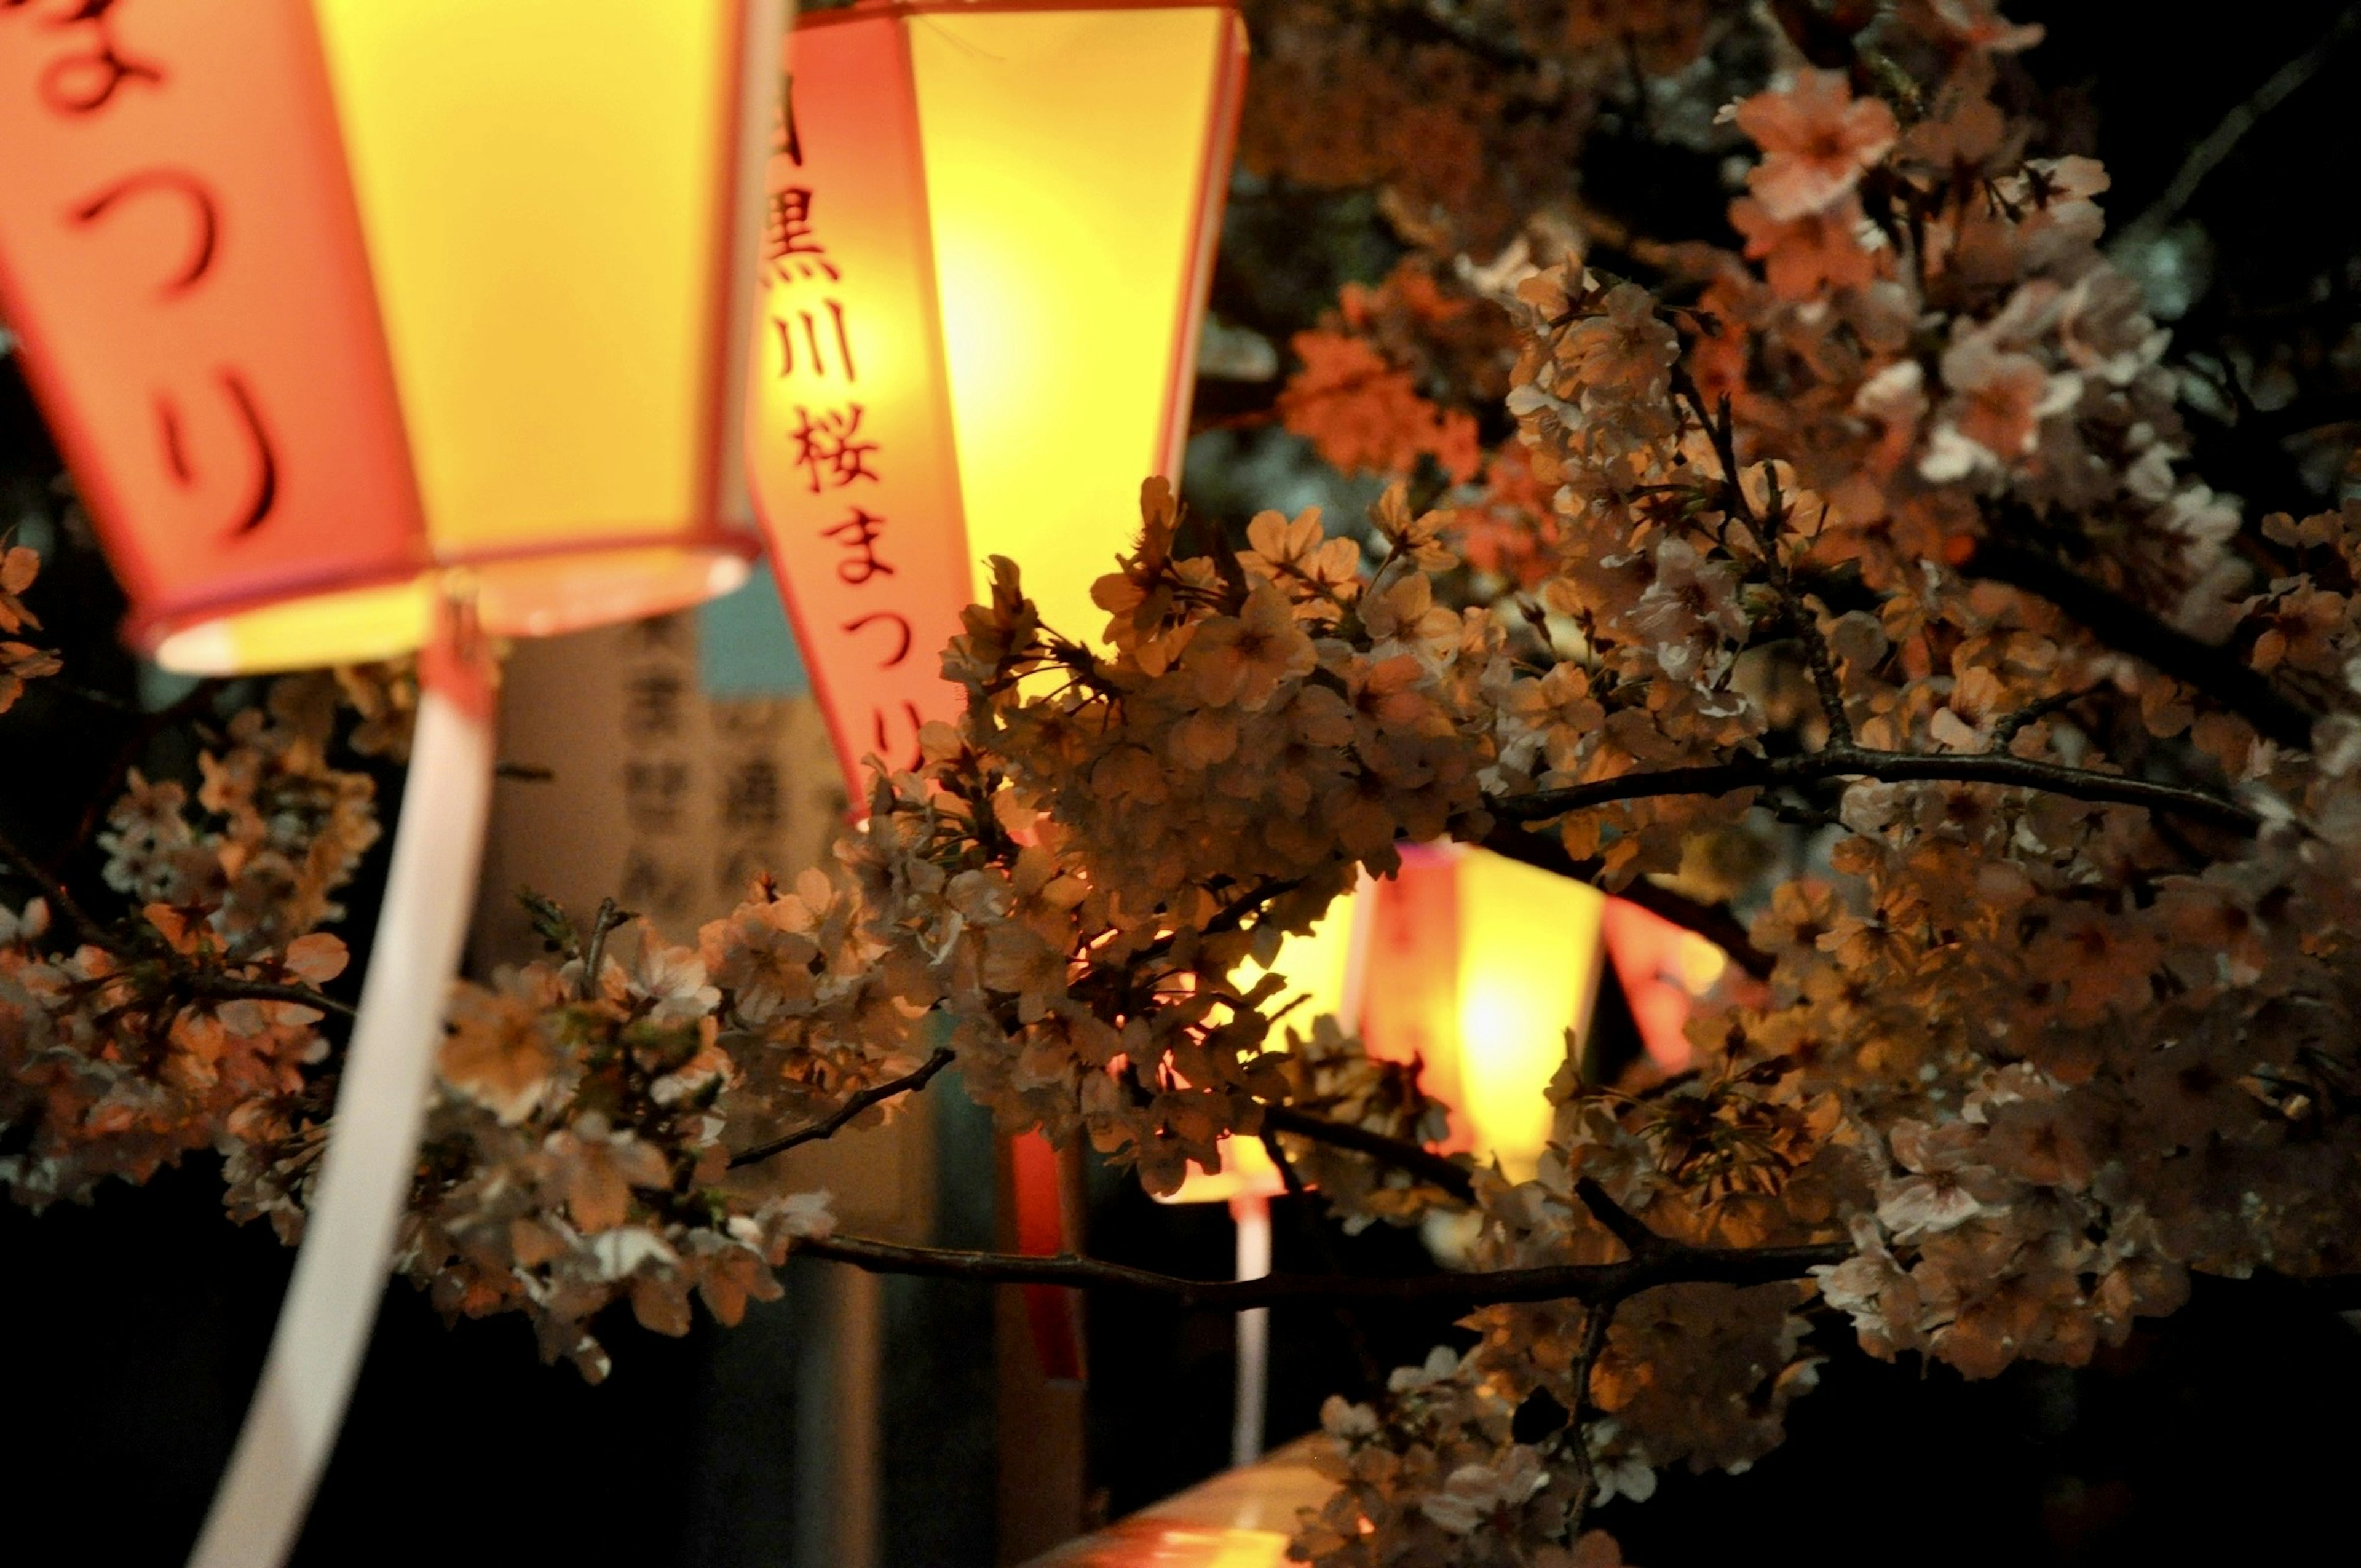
(368, 327)
(993, 232)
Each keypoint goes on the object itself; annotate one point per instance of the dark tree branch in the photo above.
(210, 986)
(1595, 1284)
(1637, 1238)
(1589, 1282)
(1594, 1340)
(909, 1082)
(1402, 1154)
(2222, 139)
(2214, 672)
(1894, 767)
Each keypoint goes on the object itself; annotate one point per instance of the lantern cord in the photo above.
(1251, 1213)
(365, 1181)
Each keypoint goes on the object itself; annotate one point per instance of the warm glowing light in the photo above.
(1528, 967)
(1069, 229)
(335, 297)
(1480, 968)
(992, 231)
(1321, 967)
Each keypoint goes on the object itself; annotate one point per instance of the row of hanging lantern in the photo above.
(371, 328)
(368, 328)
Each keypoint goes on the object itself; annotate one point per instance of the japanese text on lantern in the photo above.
(834, 459)
(86, 71)
(182, 262)
(848, 428)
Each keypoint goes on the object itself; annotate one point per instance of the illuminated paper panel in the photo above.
(1004, 217)
(1528, 965)
(181, 262)
(547, 187)
(1319, 967)
(847, 424)
(1069, 160)
(1478, 966)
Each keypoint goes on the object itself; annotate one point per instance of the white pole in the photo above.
(1251, 1211)
(342, 1268)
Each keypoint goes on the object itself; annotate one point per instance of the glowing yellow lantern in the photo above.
(1479, 967)
(368, 326)
(989, 237)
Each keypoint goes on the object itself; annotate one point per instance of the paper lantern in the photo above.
(326, 297)
(1478, 966)
(989, 240)
(368, 327)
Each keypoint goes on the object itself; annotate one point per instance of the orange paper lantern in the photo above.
(1478, 966)
(363, 325)
(989, 241)
(326, 298)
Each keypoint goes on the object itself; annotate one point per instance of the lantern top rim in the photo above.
(873, 10)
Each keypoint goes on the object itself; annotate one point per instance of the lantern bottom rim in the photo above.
(529, 591)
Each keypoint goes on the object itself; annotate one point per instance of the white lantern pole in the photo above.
(1251, 1213)
(372, 1150)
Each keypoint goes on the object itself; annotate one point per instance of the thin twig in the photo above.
(832, 1125)
(1399, 1153)
(213, 987)
(1714, 922)
(2005, 733)
(61, 900)
(2216, 674)
(1590, 1282)
(2223, 139)
(594, 951)
(1894, 767)
(1594, 1325)
(1637, 1238)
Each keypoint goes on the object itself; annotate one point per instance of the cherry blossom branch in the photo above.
(836, 1121)
(1595, 1283)
(1594, 1325)
(61, 900)
(1835, 761)
(1399, 1153)
(211, 987)
(2215, 673)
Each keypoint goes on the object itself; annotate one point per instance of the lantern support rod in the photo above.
(1250, 1211)
(364, 1180)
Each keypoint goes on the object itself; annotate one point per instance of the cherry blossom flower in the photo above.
(1816, 140)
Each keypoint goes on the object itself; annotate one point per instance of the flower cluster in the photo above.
(181, 1026)
(19, 661)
